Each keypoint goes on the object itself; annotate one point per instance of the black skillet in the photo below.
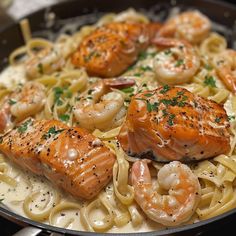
(81, 12)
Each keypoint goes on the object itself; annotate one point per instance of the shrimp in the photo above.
(177, 63)
(192, 26)
(183, 196)
(99, 108)
(26, 101)
(225, 64)
(44, 62)
(49, 59)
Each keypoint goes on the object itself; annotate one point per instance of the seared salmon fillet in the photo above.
(171, 123)
(72, 158)
(112, 48)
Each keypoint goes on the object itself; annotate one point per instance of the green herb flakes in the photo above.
(64, 117)
(145, 68)
(179, 63)
(128, 90)
(170, 120)
(23, 127)
(230, 118)
(52, 132)
(152, 107)
(165, 89)
(208, 67)
(12, 102)
(210, 81)
(217, 119)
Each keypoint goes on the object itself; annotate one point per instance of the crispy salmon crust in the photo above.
(72, 158)
(111, 49)
(169, 124)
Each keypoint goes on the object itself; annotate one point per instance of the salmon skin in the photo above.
(111, 49)
(171, 123)
(72, 158)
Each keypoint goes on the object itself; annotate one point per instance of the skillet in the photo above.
(69, 16)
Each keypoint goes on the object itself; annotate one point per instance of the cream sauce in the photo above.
(12, 76)
(27, 183)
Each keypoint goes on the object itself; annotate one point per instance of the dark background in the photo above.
(223, 228)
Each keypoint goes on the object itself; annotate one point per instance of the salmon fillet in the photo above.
(111, 49)
(171, 123)
(72, 158)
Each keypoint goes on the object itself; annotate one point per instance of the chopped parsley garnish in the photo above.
(52, 132)
(151, 107)
(148, 95)
(217, 119)
(137, 74)
(208, 67)
(128, 90)
(182, 102)
(64, 117)
(180, 93)
(40, 68)
(179, 63)
(89, 56)
(12, 101)
(144, 55)
(210, 81)
(58, 91)
(130, 68)
(168, 102)
(165, 89)
(165, 113)
(23, 127)
(170, 120)
(231, 118)
(146, 68)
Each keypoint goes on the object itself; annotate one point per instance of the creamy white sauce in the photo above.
(12, 76)
(13, 198)
(27, 183)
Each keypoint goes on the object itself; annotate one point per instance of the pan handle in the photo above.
(33, 231)
(28, 231)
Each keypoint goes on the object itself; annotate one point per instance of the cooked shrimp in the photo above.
(225, 64)
(99, 108)
(46, 61)
(24, 102)
(112, 48)
(192, 26)
(5, 116)
(170, 124)
(176, 63)
(183, 196)
(29, 101)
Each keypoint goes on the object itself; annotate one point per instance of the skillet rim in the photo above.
(48, 228)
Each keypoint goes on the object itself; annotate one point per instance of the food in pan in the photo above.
(127, 125)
